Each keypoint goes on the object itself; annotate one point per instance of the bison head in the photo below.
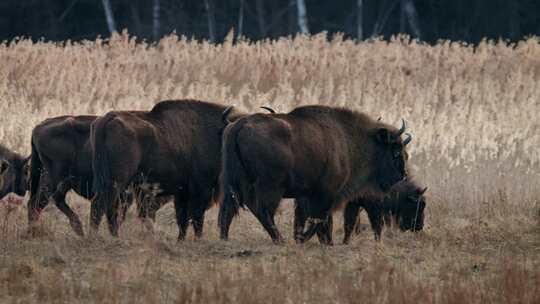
(410, 211)
(13, 176)
(391, 156)
(406, 204)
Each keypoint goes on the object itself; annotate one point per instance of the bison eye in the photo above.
(397, 153)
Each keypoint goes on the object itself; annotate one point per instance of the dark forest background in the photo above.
(428, 20)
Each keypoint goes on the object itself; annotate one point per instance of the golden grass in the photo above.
(472, 112)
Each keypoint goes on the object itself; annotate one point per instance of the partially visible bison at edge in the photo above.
(13, 175)
(322, 154)
(176, 146)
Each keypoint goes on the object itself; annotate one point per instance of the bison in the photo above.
(176, 146)
(403, 206)
(322, 154)
(13, 174)
(61, 160)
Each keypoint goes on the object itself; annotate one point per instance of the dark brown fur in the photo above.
(62, 161)
(403, 206)
(326, 155)
(176, 145)
(13, 175)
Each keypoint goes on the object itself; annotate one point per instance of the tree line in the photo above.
(427, 20)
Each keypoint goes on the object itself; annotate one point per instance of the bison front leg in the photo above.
(38, 201)
(198, 205)
(115, 212)
(374, 212)
(198, 222)
(182, 216)
(97, 210)
(350, 216)
(325, 231)
(319, 220)
(265, 207)
(300, 218)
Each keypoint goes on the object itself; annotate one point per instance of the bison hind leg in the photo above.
(264, 208)
(182, 215)
(59, 198)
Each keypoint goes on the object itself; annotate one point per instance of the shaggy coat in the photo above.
(323, 154)
(61, 160)
(176, 147)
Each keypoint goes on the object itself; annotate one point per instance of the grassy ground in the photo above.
(473, 114)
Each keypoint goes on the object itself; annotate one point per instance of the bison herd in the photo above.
(199, 153)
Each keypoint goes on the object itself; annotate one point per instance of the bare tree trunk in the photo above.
(359, 20)
(410, 10)
(136, 18)
(240, 20)
(209, 5)
(402, 18)
(260, 18)
(384, 13)
(155, 14)
(293, 25)
(302, 17)
(513, 19)
(109, 16)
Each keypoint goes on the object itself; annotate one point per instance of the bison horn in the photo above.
(379, 119)
(225, 115)
(422, 191)
(407, 139)
(402, 129)
(269, 110)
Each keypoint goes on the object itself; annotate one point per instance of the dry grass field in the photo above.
(473, 112)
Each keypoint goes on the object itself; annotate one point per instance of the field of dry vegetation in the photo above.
(473, 112)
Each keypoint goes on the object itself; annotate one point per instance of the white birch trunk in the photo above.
(109, 16)
(359, 20)
(302, 17)
(240, 27)
(211, 21)
(410, 10)
(155, 25)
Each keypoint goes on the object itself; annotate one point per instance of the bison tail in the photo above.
(100, 162)
(235, 186)
(35, 170)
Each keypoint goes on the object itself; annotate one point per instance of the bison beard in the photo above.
(176, 145)
(325, 155)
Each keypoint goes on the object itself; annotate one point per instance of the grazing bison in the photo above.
(323, 154)
(176, 146)
(403, 206)
(13, 174)
(62, 161)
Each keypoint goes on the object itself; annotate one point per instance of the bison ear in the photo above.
(3, 166)
(383, 136)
